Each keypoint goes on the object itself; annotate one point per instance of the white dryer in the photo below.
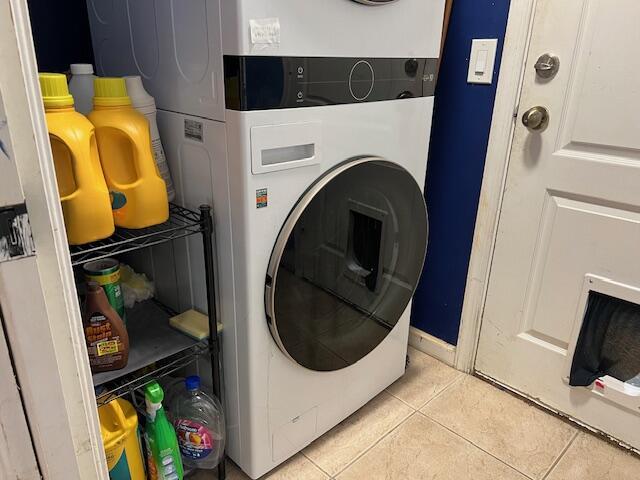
(310, 138)
(177, 47)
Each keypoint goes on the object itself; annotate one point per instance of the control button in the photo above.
(361, 80)
(300, 95)
(300, 70)
(411, 67)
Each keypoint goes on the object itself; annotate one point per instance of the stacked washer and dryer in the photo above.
(306, 124)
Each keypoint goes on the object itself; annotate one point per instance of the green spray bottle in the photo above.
(164, 460)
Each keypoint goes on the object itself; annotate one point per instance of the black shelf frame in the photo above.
(157, 350)
(129, 384)
(182, 222)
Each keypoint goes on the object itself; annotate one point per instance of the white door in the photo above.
(40, 316)
(570, 219)
(17, 458)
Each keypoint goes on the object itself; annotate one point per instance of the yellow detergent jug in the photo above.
(83, 192)
(139, 195)
(121, 439)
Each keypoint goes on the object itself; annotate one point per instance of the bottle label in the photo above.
(104, 346)
(152, 471)
(158, 152)
(107, 347)
(196, 441)
(109, 279)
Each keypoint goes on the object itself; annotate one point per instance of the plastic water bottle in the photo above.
(199, 423)
(146, 104)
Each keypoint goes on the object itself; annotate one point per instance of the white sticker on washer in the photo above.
(265, 31)
(193, 130)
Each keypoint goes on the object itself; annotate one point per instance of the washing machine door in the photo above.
(346, 263)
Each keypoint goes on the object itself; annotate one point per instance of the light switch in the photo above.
(482, 60)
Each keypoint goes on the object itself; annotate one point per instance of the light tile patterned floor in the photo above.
(438, 424)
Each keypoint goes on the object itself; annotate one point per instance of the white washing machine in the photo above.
(310, 138)
(321, 231)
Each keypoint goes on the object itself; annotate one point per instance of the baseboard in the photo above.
(433, 346)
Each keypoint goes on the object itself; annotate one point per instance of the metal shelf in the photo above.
(182, 223)
(156, 350)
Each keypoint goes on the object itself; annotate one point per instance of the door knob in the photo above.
(536, 119)
(547, 66)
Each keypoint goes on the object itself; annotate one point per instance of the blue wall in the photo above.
(461, 124)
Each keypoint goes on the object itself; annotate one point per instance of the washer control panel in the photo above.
(265, 82)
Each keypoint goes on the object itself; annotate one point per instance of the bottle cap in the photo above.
(55, 91)
(153, 396)
(192, 382)
(81, 69)
(137, 93)
(110, 92)
(153, 392)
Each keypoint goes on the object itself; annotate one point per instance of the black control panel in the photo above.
(263, 83)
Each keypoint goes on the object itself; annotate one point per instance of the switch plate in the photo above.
(482, 60)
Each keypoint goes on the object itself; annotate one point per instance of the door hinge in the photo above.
(16, 240)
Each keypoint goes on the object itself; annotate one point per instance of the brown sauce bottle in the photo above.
(104, 331)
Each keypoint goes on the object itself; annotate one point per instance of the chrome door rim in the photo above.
(283, 236)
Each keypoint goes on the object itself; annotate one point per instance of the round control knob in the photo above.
(361, 80)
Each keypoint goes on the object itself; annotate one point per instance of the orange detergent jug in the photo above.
(139, 195)
(83, 192)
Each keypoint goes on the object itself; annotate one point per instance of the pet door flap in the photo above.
(609, 341)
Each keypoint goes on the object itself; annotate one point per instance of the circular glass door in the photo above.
(346, 263)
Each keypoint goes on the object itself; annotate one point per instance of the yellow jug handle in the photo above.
(82, 176)
(146, 169)
(118, 412)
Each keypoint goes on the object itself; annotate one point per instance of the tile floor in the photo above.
(437, 423)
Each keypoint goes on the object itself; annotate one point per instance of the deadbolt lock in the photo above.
(536, 119)
(547, 66)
